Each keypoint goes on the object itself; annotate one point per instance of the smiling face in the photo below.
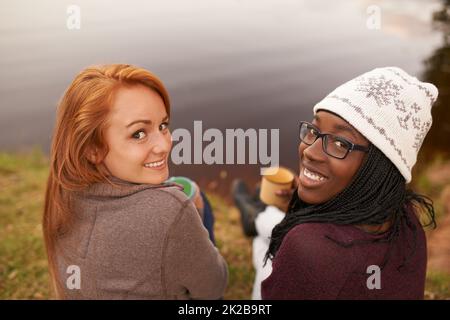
(325, 176)
(138, 136)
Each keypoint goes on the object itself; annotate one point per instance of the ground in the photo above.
(23, 266)
(436, 180)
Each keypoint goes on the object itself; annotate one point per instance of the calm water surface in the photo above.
(230, 64)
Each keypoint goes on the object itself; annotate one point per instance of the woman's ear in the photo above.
(94, 155)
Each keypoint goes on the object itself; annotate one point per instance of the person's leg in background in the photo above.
(208, 217)
(249, 206)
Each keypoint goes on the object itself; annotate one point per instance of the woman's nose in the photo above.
(162, 143)
(315, 151)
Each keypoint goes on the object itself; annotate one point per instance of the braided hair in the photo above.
(377, 194)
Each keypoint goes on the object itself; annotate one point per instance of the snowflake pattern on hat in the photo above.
(378, 88)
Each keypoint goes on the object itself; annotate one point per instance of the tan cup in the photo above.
(276, 179)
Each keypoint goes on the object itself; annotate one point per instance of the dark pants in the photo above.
(208, 217)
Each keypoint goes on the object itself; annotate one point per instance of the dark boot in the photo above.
(249, 207)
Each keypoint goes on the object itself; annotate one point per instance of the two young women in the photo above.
(109, 212)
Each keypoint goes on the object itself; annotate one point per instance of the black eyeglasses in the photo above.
(332, 145)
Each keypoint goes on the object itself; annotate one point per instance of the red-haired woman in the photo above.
(113, 228)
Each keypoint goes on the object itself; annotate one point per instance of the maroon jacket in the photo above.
(310, 266)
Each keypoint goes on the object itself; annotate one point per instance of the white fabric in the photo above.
(390, 108)
(265, 222)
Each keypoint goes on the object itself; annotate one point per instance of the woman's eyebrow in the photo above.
(138, 121)
(345, 128)
(166, 118)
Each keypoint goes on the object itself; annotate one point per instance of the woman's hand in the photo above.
(287, 194)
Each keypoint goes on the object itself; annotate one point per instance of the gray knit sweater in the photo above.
(138, 241)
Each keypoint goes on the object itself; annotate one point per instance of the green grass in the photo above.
(23, 266)
(235, 248)
(423, 185)
(437, 285)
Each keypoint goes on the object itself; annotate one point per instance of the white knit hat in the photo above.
(390, 108)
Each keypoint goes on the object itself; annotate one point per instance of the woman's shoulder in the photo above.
(137, 203)
(311, 248)
(142, 217)
(157, 196)
(325, 239)
(169, 193)
(318, 231)
(321, 232)
(165, 200)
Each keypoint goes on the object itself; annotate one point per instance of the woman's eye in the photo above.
(312, 132)
(139, 135)
(339, 144)
(163, 126)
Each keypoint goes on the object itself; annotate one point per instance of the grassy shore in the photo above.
(23, 266)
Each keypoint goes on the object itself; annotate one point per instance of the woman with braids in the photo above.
(352, 229)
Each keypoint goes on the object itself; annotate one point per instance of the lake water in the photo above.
(231, 64)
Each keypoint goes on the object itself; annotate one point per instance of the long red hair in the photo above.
(82, 118)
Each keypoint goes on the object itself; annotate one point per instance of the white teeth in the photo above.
(154, 164)
(312, 175)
